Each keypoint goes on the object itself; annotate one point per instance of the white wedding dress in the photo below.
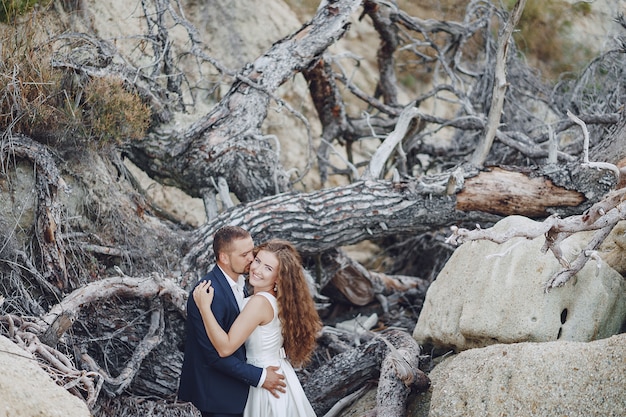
(264, 348)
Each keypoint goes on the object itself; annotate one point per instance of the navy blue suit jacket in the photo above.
(211, 383)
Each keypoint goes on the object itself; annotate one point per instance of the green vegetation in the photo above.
(10, 9)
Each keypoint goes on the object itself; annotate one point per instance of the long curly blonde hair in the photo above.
(296, 310)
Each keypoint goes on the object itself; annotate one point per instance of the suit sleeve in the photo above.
(232, 365)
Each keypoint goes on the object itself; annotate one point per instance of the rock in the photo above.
(539, 379)
(489, 293)
(26, 390)
(525, 379)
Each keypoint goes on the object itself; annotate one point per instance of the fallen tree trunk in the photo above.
(322, 220)
(355, 367)
(399, 374)
(391, 357)
(228, 142)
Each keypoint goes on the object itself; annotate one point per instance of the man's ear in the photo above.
(222, 258)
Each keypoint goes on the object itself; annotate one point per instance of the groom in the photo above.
(218, 387)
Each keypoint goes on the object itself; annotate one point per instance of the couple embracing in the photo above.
(239, 350)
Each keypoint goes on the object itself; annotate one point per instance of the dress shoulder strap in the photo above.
(271, 299)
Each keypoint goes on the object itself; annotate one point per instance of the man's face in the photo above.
(239, 259)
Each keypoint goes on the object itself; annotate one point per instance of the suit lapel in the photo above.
(224, 283)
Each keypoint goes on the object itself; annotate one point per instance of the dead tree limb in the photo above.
(521, 193)
(356, 367)
(384, 18)
(145, 287)
(217, 143)
(603, 217)
(391, 356)
(330, 110)
(399, 374)
(499, 86)
(572, 268)
(364, 210)
(374, 169)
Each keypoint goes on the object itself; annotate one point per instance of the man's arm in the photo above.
(267, 378)
(230, 365)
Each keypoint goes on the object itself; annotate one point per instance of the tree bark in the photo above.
(48, 210)
(355, 366)
(399, 374)
(227, 142)
(322, 220)
(398, 353)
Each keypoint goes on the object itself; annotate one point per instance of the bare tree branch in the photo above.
(375, 167)
(602, 216)
(499, 87)
(48, 208)
(145, 287)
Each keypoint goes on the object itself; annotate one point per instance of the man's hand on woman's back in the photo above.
(274, 382)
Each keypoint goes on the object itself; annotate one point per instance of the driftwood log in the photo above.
(390, 357)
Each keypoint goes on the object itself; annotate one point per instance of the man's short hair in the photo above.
(225, 236)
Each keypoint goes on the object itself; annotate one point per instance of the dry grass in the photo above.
(61, 106)
(114, 114)
(27, 102)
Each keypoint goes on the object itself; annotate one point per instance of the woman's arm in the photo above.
(257, 311)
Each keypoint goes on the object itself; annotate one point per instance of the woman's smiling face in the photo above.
(264, 271)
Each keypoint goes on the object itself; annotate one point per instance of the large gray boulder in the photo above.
(494, 293)
(26, 390)
(573, 379)
(533, 379)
